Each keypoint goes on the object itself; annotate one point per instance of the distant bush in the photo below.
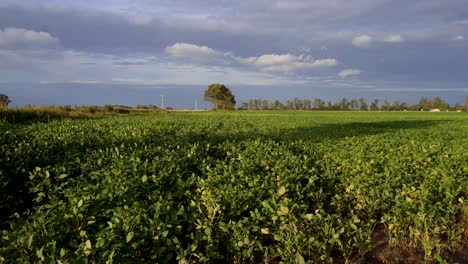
(89, 109)
(29, 115)
(121, 110)
(66, 108)
(150, 106)
(108, 108)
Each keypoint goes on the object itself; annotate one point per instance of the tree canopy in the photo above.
(4, 100)
(220, 96)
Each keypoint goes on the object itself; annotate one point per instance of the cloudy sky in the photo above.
(131, 51)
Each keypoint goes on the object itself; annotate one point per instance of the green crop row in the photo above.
(234, 188)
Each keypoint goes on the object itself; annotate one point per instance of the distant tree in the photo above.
(257, 104)
(404, 106)
(375, 105)
(396, 106)
(458, 106)
(344, 104)
(220, 96)
(319, 104)
(387, 106)
(4, 100)
(307, 104)
(244, 106)
(289, 105)
(440, 103)
(425, 103)
(298, 104)
(277, 105)
(265, 105)
(353, 104)
(363, 104)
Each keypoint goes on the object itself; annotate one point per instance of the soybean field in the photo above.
(236, 187)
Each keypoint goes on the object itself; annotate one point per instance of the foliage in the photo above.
(346, 104)
(108, 108)
(36, 114)
(32, 114)
(220, 96)
(4, 100)
(232, 187)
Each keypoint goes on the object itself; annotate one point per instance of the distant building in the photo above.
(434, 110)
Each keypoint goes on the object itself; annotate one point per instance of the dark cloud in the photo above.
(86, 30)
(407, 44)
(99, 31)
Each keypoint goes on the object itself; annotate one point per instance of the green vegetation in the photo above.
(31, 114)
(220, 96)
(4, 100)
(235, 187)
(424, 104)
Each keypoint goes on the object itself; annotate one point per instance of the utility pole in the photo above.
(162, 101)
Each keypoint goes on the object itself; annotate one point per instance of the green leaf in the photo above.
(356, 219)
(30, 240)
(130, 236)
(80, 203)
(62, 176)
(87, 248)
(144, 178)
(62, 252)
(283, 210)
(39, 253)
(282, 190)
(299, 259)
(440, 259)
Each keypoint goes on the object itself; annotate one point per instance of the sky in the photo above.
(129, 52)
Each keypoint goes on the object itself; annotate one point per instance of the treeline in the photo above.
(424, 104)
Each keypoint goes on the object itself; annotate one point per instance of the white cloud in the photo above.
(393, 39)
(348, 72)
(362, 41)
(287, 62)
(325, 63)
(271, 59)
(16, 38)
(459, 37)
(186, 50)
(267, 62)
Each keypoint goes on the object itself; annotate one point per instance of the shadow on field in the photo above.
(314, 132)
(355, 129)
